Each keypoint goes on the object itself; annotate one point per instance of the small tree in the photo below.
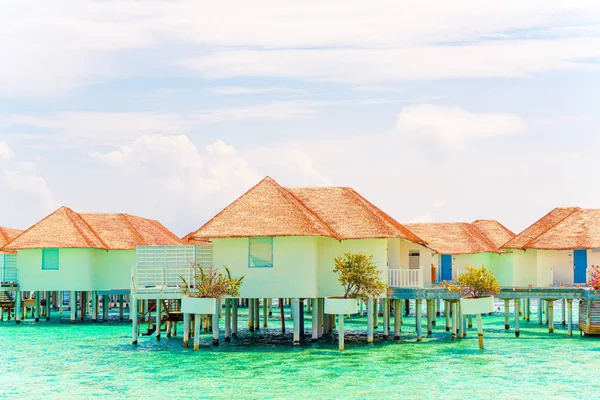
(594, 278)
(359, 276)
(210, 283)
(475, 283)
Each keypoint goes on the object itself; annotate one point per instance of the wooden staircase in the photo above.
(170, 312)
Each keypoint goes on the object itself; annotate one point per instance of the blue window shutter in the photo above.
(260, 252)
(50, 259)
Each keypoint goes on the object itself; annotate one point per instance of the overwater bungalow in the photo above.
(8, 260)
(558, 248)
(89, 254)
(458, 244)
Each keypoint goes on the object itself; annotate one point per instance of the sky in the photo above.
(434, 111)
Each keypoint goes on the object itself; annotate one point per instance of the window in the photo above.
(260, 252)
(50, 259)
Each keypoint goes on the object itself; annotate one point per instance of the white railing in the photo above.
(405, 277)
(161, 279)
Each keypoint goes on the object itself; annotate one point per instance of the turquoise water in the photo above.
(59, 360)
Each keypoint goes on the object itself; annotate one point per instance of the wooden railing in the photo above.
(405, 277)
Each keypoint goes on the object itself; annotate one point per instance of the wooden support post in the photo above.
(447, 314)
(321, 315)
(527, 309)
(82, 305)
(18, 309)
(418, 315)
(134, 319)
(461, 325)
(73, 301)
(282, 315)
(517, 331)
(430, 313)
(256, 314)
(315, 320)
(121, 307)
(546, 302)
(228, 320)
(296, 307)
(480, 328)
(158, 316)
(197, 318)
(454, 322)
(234, 322)
(370, 313)
(397, 320)
(61, 298)
(341, 333)
(48, 306)
(563, 311)
(215, 325)
(386, 318)
(95, 306)
(407, 307)
(506, 314)
(265, 312)
(105, 308)
(375, 313)
(186, 329)
(301, 316)
(470, 325)
(438, 305)
(251, 315)
(37, 306)
(570, 317)
(550, 316)
(540, 308)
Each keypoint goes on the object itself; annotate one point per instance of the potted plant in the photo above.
(477, 287)
(589, 306)
(208, 286)
(360, 279)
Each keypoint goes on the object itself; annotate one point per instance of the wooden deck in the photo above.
(507, 293)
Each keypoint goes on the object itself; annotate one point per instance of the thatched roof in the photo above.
(8, 234)
(269, 209)
(497, 233)
(561, 229)
(65, 228)
(191, 240)
(460, 237)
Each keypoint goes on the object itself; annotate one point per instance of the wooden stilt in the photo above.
(282, 315)
(370, 312)
(94, 306)
(570, 317)
(186, 330)
(447, 314)
(227, 320)
(133, 306)
(506, 314)
(397, 320)
(375, 313)
(546, 302)
(82, 305)
(105, 308)
(517, 330)
(234, 328)
(296, 306)
(61, 298)
(315, 320)
(454, 322)
(527, 309)
(321, 315)
(418, 315)
(48, 306)
(550, 316)
(251, 315)
(563, 311)
(341, 333)
(73, 301)
(461, 325)
(121, 307)
(265, 313)
(158, 317)
(480, 328)
(540, 308)
(256, 314)
(197, 318)
(470, 325)
(18, 309)
(438, 304)
(407, 307)
(430, 305)
(215, 325)
(386, 318)
(301, 316)
(37, 306)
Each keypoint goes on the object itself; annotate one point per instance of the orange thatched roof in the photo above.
(497, 233)
(189, 239)
(8, 234)
(65, 228)
(268, 209)
(561, 229)
(461, 237)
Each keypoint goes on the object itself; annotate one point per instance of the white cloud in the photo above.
(238, 90)
(453, 125)
(5, 151)
(279, 110)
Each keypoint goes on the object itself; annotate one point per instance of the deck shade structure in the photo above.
(559, 248)
(84, 251)
(459, 244)
(8, 260)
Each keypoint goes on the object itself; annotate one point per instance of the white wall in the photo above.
(561, 261)
(393, 253)
(525, 267)
(294, 272)
(112, 269)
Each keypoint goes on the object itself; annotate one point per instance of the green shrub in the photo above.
(475, 283)
(212, 284)
(359, 276)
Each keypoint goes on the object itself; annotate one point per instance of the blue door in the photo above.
(579, 266)
(446, 267)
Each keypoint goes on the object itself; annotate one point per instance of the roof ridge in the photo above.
(32, 226)
(132, 228)
(574, 210)
(4, 235)
(68, 212)
(471, 226)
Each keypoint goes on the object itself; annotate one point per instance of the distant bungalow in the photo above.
(83, 252)
(458, 244)
(8, 260)
(558, 248)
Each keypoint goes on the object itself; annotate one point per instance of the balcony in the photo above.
(406, 278)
